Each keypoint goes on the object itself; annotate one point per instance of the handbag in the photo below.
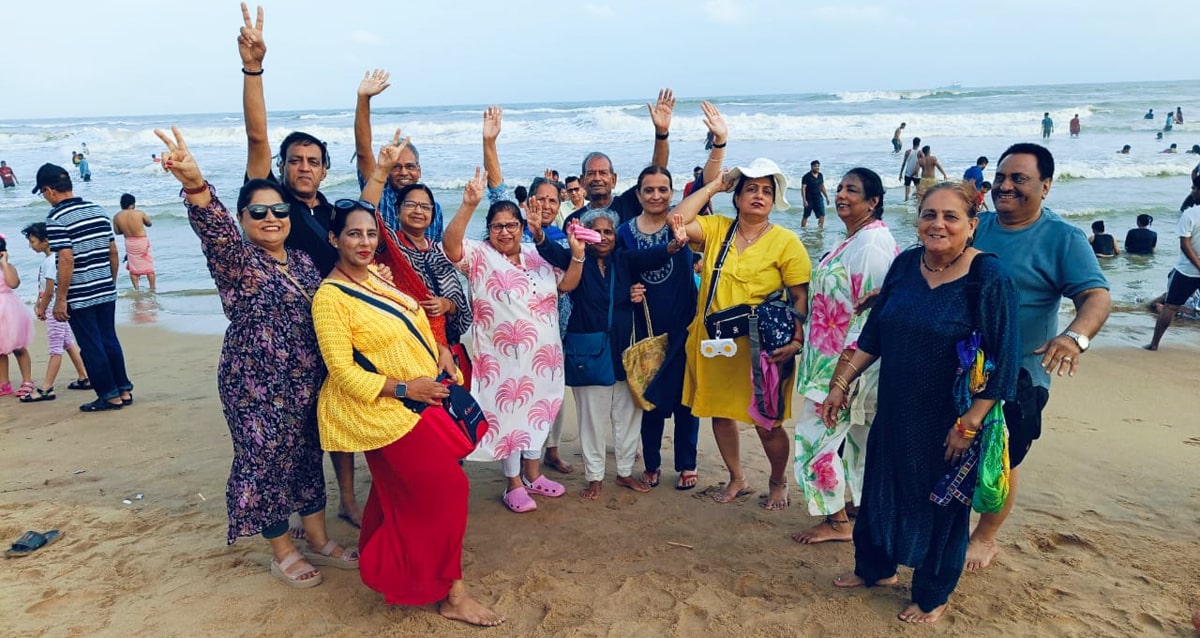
(467, 423)
(774, 315)
(642, 360)
(588, 355)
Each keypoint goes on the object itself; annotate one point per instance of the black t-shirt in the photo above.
(812, 187)
(1141, 241)
(1104, 244)
(310, 228)
(626, 206)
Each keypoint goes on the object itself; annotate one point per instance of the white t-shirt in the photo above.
(1189, 227)
(48, 270)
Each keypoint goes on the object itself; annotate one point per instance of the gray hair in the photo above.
(591, 156)
(592, 215)
(416, 154)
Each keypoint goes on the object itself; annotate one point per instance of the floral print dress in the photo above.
(268, 377)
(856, 266)
(518, 376)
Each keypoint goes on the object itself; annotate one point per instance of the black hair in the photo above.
(303, 139)
(925, 149)
(987, 185)
(36, 229)
(337, 221)
(872, 187)
(814, 163)
(1144, 220)
(504, 206)
(1098, 226)
(403, 192)
(916, 142)
(981, 160)
(127, 201)
(253, 186)
(521, 193)
(1045, 161)
(540, 181)
(571, 178)
(3, 244)
(659, 170)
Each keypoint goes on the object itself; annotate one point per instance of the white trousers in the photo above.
(512, 462)
(599, 408)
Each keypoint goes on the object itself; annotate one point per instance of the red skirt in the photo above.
(416, 517)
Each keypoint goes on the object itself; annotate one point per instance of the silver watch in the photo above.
(401, 390)
(1081, 340)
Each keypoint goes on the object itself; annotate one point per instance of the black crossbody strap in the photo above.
(712, 287)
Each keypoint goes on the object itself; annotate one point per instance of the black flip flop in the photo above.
(80, 384)
(30, 542)
(39, 395)
(100, 405)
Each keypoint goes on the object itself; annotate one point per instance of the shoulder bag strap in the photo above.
(712, 287)
(388, 309)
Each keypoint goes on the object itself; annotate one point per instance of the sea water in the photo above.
(842, 130)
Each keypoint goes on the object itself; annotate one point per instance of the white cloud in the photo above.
(723, 11)
(365, 37)
(599, 11)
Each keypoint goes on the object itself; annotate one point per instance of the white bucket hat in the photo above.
(763, 167)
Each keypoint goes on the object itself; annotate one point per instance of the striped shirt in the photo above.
(84, 229)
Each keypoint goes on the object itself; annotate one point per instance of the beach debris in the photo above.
(201, 496)
(127, 502)
(674, 544)
(78, 471)
(137, 497)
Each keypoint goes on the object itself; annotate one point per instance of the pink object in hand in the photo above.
(584, 234)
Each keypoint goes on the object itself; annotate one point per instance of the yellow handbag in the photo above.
(642, 360)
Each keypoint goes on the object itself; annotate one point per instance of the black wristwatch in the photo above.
(401, 390)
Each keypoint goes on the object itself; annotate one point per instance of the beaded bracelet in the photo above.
(963, 431)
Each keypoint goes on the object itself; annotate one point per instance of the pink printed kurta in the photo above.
(518, 375)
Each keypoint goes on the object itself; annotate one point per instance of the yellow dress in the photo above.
(721, 386)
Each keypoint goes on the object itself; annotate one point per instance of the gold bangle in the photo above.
(853, 367)
(840, 383)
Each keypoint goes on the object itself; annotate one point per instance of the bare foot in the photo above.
(351, 513)
(592, 491)
(735, 488)
(850, 580)
(830, 529)
(980, 554)
(913, 614)
(463, 608)
(555, 463)
(1150, 346)
(777, 497)
(633, 484)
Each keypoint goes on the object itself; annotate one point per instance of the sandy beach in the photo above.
(1103, 542)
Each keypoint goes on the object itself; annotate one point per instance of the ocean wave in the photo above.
(1160, 166)
(854, 97)
(325, 116)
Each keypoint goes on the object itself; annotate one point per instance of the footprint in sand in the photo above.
(1195, 440)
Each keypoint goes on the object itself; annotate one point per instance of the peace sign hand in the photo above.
(473, 193)
(178, 160)
(251, 45)
(373, 83)
(389, 154)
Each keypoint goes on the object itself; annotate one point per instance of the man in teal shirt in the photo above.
(1048, 259)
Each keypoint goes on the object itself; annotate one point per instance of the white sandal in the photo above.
(279, 570)
(325, 558)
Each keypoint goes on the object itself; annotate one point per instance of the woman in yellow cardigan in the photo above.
(416, 515)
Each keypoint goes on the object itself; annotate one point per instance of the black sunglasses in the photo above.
(258, 212)
(346, 206)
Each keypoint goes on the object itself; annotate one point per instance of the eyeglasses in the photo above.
(574, 189)
(347, 206)
(510, 227)
(411, 206)
(258, 212)
(410, 167)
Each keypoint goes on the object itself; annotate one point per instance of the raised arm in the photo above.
(660, 114)
(690, 207)
(373, 83)
(253, 49)
(389, 156)
(720, 133)
(452, 241)
(492, 119)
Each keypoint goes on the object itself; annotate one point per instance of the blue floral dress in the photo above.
(268, 377)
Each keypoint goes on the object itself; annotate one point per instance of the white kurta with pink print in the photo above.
(518, 358)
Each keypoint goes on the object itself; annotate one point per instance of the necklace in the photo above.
(751, 240)
(926, 265)
(402, 300)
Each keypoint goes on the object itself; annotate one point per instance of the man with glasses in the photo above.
(599, 178)
(408, 167)
(86, 294)
(573, 201)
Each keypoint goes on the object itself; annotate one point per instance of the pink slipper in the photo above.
(5, 389)
(544, 486)
(518, 501)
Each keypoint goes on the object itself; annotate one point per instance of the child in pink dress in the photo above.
(16, 327)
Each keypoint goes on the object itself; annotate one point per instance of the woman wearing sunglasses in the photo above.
(270, 369)
(382, 397)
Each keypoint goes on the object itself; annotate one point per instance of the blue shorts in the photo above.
(814, 208)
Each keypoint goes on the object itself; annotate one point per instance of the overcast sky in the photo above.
(76, 58)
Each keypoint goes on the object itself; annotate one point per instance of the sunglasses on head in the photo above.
(258, 212)
(347, 206)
